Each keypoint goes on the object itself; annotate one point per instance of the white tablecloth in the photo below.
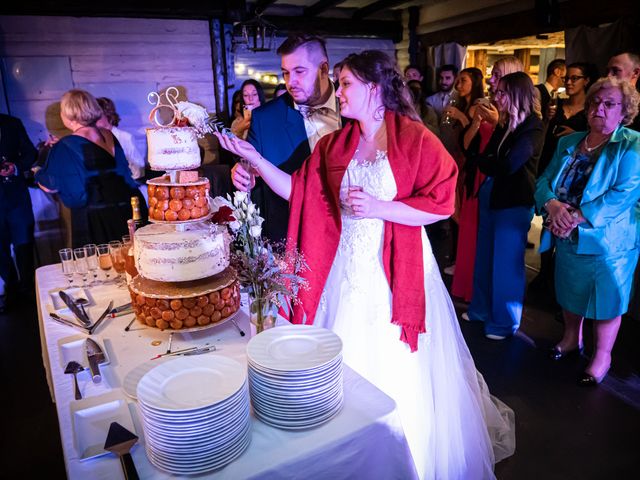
(365, 440)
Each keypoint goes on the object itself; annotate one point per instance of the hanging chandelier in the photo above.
(256, 34)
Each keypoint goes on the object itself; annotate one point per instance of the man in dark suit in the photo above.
(286, 129)
(17, 154)
(626, 66)
(556, 71)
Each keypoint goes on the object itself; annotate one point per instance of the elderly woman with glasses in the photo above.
(588, 194)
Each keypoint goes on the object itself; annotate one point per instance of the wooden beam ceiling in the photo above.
(376, 7)
(321, 6)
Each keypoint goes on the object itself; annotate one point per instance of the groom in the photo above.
(286, 129)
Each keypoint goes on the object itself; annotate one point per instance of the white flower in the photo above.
(235, 225)
(239, 197)
(196, 115)
(255, 231)
(251, 209)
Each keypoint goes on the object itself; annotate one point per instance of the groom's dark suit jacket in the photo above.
(277, 132)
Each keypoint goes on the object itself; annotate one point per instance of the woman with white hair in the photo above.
(510, 162)
(588, 194)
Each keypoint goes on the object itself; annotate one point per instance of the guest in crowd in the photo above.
(556, 71)
(626, 66)
(510, 162)
(286, 129)
(17, 154)
(90, 173)
(110, 120)
(370, 266)
(413, 72)
(280, 89)
(569, 116)
(427, 114)
(336, 74)
(252, 97)
(587, 195)
(446, 76)
(475, 138)
(468, 88)
(502, 67)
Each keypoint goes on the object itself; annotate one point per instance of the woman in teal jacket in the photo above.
(588, 195)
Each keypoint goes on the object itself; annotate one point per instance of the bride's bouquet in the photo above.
(267, 271)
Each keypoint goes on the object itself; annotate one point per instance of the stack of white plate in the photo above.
(195, 413)
(295, 376)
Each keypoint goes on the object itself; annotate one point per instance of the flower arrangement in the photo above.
(270, 273)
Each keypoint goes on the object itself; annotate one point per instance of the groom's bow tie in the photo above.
(308, 111)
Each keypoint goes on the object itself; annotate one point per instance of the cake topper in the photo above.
(183, 113)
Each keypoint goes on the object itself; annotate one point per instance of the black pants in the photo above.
(16, 229)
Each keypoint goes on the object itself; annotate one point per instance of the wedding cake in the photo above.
(184, 279)
(173, 148)
(198, 251)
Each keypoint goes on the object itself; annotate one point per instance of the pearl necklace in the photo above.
(591, 149)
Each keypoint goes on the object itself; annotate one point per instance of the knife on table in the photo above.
(79, 314)
(102, 317)
(95, 355)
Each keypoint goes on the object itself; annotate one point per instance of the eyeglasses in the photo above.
(608, 105)
(574, 78)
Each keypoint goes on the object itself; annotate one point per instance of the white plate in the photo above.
(75, 293)
(294, 347)
(92, 418)
(133, 377)
(315, 422)
(190, 383)
(73, 348)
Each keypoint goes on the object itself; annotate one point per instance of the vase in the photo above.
(263, 314)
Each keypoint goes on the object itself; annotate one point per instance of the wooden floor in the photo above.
(563, 431)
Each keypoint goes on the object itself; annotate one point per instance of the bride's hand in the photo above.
(363, 204)
(239, 147)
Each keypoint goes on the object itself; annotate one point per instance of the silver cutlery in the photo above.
(77, 311)
(102, 317)
(68, 323)
(238, 327)
(74, 368)
(96, 356)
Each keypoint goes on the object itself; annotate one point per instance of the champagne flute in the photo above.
(117, 258)
(68, 264)
(104, 260)
(353, 186)
(91, 253)
(82, 267)
(453, 102)
(248, 167)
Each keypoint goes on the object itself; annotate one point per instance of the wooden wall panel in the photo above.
(118, 57)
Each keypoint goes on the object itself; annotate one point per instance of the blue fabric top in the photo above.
(75, 164)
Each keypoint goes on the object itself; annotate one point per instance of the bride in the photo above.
(358, 205)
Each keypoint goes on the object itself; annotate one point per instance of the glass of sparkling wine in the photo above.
(82, 267)
(117, 258)
(104, 260)
(68, 264)
(91, 252)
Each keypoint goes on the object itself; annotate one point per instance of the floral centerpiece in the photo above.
(267, 271)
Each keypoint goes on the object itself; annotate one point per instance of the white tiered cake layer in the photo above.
(165, 254)
(173, 148)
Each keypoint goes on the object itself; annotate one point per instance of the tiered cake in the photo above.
(184, 279)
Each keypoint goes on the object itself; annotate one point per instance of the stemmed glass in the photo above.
(91, 253)
(352, 186)
(68, 264)
(117, 258)
(248, 167)
(82, 267)
(104, 260)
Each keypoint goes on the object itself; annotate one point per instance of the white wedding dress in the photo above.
(454, 428)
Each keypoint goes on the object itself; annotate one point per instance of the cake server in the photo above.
(120, 441)
(96, 356)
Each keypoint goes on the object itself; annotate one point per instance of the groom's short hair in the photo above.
(316, 46)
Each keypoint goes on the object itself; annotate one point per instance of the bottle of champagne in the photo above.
(136, 217)
(133, 224)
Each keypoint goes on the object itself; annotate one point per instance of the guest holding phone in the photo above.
(252, 97)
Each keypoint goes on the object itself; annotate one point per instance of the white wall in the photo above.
(120, 58)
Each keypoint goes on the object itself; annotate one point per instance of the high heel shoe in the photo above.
(556, 354)
(587, 380)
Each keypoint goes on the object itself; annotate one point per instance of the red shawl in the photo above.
(425, 175)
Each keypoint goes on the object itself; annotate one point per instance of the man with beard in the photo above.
(287, 129)
(446, 78)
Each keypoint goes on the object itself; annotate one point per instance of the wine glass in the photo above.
(117, 258)
(353, 185)
(453, 102)
(248, 167)
(82, 267)
(91, 253)
(104, 260)
(68, 264)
